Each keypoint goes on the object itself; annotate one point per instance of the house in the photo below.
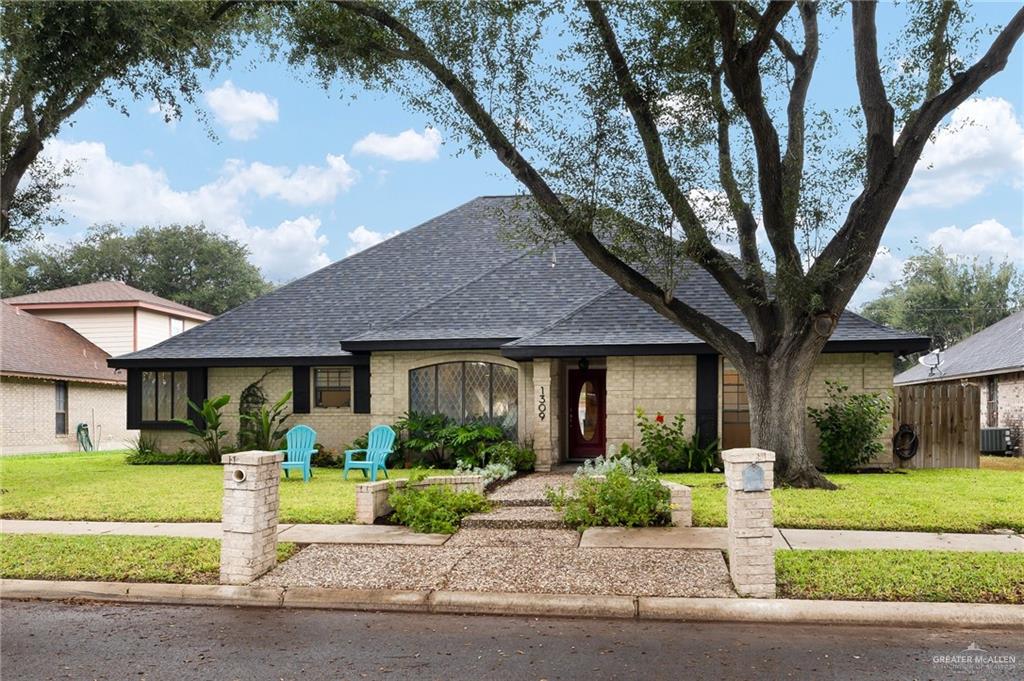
(51, 379)
(115, 316)
(53, 370)
(449, 317)
(992, 359)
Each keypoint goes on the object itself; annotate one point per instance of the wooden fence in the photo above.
(947, 420)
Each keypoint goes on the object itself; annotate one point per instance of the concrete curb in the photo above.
(775, 611)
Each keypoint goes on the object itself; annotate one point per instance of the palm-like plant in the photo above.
(208, 431)
(266, 427)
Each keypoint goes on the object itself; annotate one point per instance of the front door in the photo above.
(586, 413)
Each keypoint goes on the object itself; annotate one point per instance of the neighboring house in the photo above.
(54, 362)
(52, 379)
(992, 359)
(449, 317)
(115, 316)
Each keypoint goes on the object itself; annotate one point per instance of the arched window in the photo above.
(467, 391)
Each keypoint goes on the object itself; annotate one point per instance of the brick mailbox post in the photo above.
(749, 478)
(249, 521)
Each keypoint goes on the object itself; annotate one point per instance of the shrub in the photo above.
(519, 458)
(144, 452)
(265, 430)
(325, 457)
(470, 442)
(603, 465)
(207, 432)
(665, 445)
(435, 439)
(851, 427)
(491, 473)
(419, 438)
(619, 500)
(435, 508)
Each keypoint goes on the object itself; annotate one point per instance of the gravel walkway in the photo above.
(523, 569)
(527, 537)
(529, 490)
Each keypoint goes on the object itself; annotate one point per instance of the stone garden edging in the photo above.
(372, 497)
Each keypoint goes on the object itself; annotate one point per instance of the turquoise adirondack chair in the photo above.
(300, 451)
(380, 443)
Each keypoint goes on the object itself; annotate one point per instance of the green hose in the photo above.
(83, 437)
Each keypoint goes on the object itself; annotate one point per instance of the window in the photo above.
(735, 410)
(177, 325)
(61, 406)
(332, 387)
(467, 391)
(164, 395)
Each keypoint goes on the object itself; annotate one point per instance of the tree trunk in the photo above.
(777, 392)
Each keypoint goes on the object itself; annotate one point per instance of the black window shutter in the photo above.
(361, 389)
(300, 390)
(134, 421)
(197, 392)
(707, 399)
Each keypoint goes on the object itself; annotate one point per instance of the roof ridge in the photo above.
(570, 312)
(446, 294)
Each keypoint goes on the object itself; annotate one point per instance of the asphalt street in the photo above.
(41, 640)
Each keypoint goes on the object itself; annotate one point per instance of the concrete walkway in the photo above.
(598, 537)
(300, 533)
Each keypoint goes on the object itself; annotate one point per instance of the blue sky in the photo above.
(305, 177)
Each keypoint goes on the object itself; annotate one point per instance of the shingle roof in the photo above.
(453, 279)
(31, 346)
(101, 292)
(996, 349)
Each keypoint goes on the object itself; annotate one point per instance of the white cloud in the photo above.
(362, 238)
(104, 190)
(241, 111)
(987, 239)
(405, 146)
(982, 145)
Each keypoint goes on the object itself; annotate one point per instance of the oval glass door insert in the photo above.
(587, 411)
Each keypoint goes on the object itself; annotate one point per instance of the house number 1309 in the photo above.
(542, 406)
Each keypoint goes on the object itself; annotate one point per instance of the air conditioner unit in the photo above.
(995, 440)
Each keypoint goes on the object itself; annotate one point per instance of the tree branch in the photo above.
(784, 46)
(698, 242)
(766, 28)
(704, 326)
(793, 161)
(878, 113)
(940, 50)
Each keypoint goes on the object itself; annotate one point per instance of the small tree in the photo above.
(266, 431)
(851, 427)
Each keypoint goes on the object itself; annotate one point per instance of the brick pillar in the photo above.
(545, 433)
(249, 521)
(749, 478)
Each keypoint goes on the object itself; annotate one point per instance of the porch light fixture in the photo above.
(584, 364)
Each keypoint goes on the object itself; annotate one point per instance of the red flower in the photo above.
(660, 418)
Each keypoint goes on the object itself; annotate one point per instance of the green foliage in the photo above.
(420, 437)
(436, 439)
(249, 402)
(208, 431)
(665, 445)
(434, 508)
(266, 429)
(325, 457)
(948, 298)
(619, 500)
(851, 426)
(517, 457)
(56, 57)
(145, 452)
(469, 443)
(185, 263)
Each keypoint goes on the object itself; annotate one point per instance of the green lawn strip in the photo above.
(950, 500)
(102, 487)
(114, 558)
(931, 576)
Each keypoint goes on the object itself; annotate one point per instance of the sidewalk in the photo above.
(598, 537)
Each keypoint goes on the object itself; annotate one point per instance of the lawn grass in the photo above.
(949, 500)
(868, 575)
(102, 486)
(114, 558)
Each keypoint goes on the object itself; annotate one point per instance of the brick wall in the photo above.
(28, 417)
(335, 428)
(1010, 395)
(667, 384)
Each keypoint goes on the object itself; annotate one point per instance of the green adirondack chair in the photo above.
(299, 454)
(380, 443)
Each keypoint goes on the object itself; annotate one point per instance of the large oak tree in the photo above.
(648, 133)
